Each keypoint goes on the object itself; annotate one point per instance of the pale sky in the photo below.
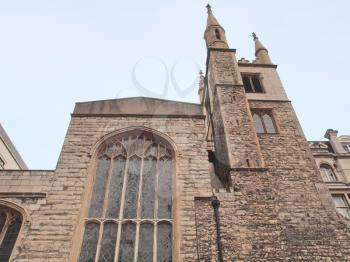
(58, 52)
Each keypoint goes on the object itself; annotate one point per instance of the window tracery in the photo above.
(130, 215)
(10, 225)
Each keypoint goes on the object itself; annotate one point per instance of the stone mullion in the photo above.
(155, 212)
(100, 234)
(5, 227)
(104, 208)
(261, 114)
(122, 200)
(251, 83)
(138, 210)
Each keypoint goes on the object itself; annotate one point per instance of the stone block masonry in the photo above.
(55, 225)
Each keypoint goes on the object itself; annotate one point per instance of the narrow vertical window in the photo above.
(164, 242)
(247, 84)
(127, 243)
(116, 187)
(256, 84)
(258, 123)
(90, 239)
(109, 239)
(132, 187)
(148, 190)
(99, 187)
(130, 215)
(146, 242)
(217, 34)
(269, 126)
(165, 179)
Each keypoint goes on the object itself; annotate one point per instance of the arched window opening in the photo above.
(328, 174)
(130, 215)
(263, 120)
(217, 34)
(10, 225)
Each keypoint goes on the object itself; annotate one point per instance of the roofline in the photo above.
(27, 170)
(256, 65)
(139, 115)
(133, 97)
(11, 148)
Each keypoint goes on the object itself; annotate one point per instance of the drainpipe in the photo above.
(216, 204)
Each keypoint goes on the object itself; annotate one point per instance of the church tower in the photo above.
(273, 205)
(234, 136)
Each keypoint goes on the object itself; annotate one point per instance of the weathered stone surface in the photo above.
(274, 206)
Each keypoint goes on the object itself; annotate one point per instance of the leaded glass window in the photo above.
(264, 123)
(130, 215)
(10, 225)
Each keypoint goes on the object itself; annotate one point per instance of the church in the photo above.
(231, 178)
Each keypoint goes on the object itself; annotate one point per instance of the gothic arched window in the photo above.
(328, 173)
(130, 215)
(10, 225)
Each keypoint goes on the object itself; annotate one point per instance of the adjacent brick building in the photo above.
(143, 179)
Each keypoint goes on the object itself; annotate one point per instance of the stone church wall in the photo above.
(282, 212)
(56, 225)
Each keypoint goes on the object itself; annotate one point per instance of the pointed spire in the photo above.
(211, 21)
(261, 52)
(214, 34)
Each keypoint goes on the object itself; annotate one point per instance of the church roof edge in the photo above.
(134, 106)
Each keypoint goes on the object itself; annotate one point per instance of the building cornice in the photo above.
(334, 155)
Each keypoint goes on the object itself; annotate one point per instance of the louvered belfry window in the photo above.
(10, 225)
(130, 215)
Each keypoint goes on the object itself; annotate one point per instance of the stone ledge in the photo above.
(240, 64)
(250, 169)
(22, 194)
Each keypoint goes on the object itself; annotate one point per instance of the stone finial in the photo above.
(208, 7)
(201, 87)
(261, 52)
